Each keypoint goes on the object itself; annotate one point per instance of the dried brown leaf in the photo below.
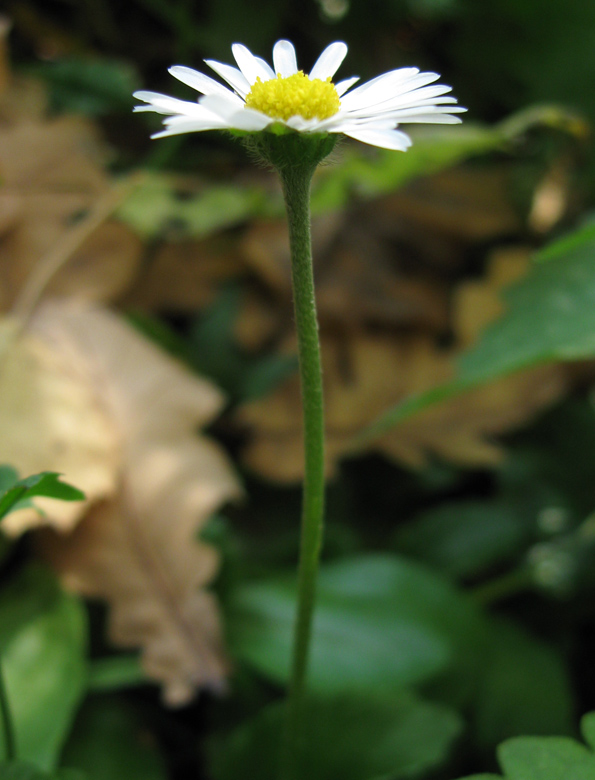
(470, 204)
(52, 175)
(366, 375)
(183, 275)
(140, 552)
(52, 420)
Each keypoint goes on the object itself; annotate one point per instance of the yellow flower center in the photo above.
(294, 95)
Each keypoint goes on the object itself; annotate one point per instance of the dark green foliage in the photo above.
(110, 742)
(17, 492)
(353, 738)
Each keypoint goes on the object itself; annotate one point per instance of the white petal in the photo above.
(238, 119)
(412, 98)
(381, 88)
(386, 139)
(399, 112)
(164, 104)
(329, 61)
(250, 65)
(301, 124)
(284, 58)
(178, 125)
(344, 85)
(234, 77)
(249, 120)
(270, 73)
(198, 81)
(433, 119)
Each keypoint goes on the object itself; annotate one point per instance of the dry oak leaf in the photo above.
(185, 275)
(363, 376)
(359, 281)
(367, 375)
(50, 419)
(465, 202)
(52, 173)
(140, 551)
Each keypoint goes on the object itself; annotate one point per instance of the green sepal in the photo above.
(288, 150)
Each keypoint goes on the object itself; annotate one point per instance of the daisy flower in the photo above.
(262, 97)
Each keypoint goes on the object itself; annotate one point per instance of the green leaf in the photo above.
(9, 476)
(46, 484)
(547, 758)
(371, 738)
(109, 742)
(464, 538)
(115, 672)
(588, 729)
(525, 688)
(159, 206)
(381, 623)
(22, 770)
(43, 655)
(550, 316)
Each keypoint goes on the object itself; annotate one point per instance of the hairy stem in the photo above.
(296, 189)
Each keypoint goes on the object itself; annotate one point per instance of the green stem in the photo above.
(296, 189)
(503, 587)
(10, 753)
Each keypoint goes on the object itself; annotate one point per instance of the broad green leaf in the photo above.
(109, 742)
(464, 538)
(367, 738)
(550, 316)
(588, 729)
(46, 484)
(525, 688)
(115, 672)
(42, 651)
(22, 770)
(381, 623)
(546, 758)
(9, 476)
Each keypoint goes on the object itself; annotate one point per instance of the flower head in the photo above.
(262, 97)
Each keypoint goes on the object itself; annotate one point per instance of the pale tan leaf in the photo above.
(51, 419)
(140, 552)
(52, 176)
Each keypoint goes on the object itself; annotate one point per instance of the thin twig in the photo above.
(51, 263)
